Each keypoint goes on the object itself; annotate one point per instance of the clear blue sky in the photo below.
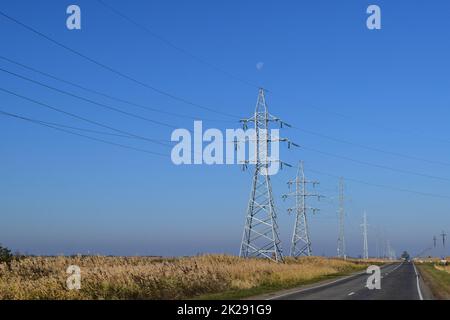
(65, 194)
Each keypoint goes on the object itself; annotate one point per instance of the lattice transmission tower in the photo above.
(301, 241)
(443, 235)
(260, 237)
(341, 238)
(365, 245)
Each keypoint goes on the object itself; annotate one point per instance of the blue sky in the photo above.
(325, 71)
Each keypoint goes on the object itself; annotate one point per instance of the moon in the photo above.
(259, 66)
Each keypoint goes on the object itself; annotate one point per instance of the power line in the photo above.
(375, 165)
(86, 130)
(132, 79)
(140, 82)
(174, 127)
(376, 124)
(193, 117)
(383, 186)
(176, 47)
(152, 109)
(83, 118)
(112, 70)
(80, 135)
(89, 100)
(371, 148)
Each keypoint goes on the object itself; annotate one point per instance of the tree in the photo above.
(5, 255)
(405, 255)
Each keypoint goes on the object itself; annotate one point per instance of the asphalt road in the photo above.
(399, 281)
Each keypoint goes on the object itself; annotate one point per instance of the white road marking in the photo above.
(418, 284)
(320, 286)
(397, 267)
(351, 293)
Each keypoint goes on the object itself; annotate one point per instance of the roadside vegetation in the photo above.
(437, 277)
(5, 255)
(211, 276)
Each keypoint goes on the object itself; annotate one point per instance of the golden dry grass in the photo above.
(437, 279)
(442, 268)
(150, 278)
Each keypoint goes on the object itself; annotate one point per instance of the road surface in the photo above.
(399, 281)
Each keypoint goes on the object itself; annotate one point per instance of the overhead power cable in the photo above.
(176, 47)
(82, 118)
(376, 165)
(321, 135)
(105, 95)
(113, 70)
(87, 130)
(89, 100)
(362, 146)
(378, 125)
(383, 186)
(81, 135)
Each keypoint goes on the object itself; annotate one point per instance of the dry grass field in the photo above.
(212, 276)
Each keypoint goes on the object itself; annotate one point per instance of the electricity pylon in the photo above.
(341, 238)
(434, 241)
(443, 235)
(366, 246)
(260, 237)
(391, 252)
(301, 241)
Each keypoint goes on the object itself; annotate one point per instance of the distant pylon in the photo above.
(391, 251)
(434, 241)
(260, 237)
(443, 235)
(365, 246)
(301, 241)
(341, 238)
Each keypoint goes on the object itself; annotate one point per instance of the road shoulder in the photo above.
(431, 289)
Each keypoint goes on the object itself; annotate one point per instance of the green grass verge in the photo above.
(438, 281)
(274, 287)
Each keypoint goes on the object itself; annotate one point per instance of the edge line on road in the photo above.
(395, 268)
(418, 283)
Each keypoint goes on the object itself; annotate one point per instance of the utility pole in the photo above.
(365, 246)
(341, 238)
(443, 235)
(388, 249)
(260, 237)
(391, 251)
(377, 245)
(301, 241)
(379, 242)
